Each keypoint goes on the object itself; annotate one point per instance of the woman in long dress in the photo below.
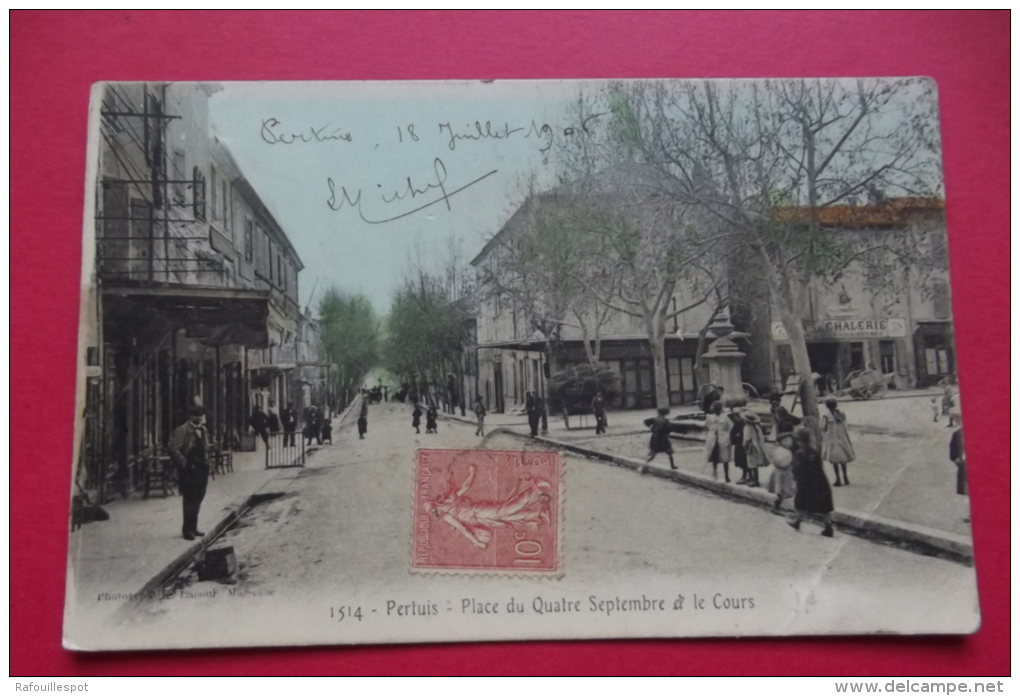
(813, 496)
(416, 418)
(737, 453)
(836, 447)
(362, 421)
(717, 440)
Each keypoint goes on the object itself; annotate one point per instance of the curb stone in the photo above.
(917, 538)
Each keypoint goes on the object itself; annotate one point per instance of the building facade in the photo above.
(888, 311)
(881, 315)
(516, 354)
(193, 296)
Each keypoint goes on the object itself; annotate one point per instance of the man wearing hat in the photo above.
(189, 448)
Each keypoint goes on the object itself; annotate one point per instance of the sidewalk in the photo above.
(142, 542)
(902, 483)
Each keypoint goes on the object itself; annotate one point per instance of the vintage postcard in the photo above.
(475, 361)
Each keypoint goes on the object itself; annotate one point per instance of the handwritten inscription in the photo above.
(273, 133)
(434, 189)
(410, 197)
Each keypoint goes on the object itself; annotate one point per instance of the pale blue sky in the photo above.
(337, 246)
(380, 138)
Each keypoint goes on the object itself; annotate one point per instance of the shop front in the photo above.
(838, 348)
(163, 347)
(935, 351)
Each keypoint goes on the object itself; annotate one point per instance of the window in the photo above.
(225, 203)
(673, 369)
(937, 361)
(687, 376)
(939, 250)
(281, 279)
(887, 356)
(213, 193)
(940, 299)
(198, 184)
(178, 177)
(249, 241)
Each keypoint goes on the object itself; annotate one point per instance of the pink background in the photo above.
(56, 56)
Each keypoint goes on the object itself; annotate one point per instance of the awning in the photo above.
(215, 316)
(934, 328)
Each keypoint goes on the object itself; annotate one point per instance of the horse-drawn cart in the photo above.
(866, 384)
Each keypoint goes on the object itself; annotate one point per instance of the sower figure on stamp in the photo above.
(189, 448)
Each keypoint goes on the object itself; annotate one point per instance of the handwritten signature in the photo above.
(271, 134)
(436, 186)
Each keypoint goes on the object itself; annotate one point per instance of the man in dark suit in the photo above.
(259, 422)
(189, 448)
(289, 420)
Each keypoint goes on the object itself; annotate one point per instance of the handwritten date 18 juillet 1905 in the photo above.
(274, 132)
(434, 191)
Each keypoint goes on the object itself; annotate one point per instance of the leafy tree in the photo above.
(571, 390)
(427, 329)
(350, 338)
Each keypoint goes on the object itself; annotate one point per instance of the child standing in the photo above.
(717, 439)
(659, 441)
(836, 447)
(430, 420)
(416, 418)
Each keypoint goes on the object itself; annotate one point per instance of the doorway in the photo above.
(497, 382)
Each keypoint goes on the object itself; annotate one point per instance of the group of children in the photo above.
(796, 461)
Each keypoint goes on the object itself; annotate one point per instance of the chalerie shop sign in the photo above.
(887, 327)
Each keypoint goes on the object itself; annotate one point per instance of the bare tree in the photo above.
(782, 163)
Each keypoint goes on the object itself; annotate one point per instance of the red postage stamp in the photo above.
(486, 511)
